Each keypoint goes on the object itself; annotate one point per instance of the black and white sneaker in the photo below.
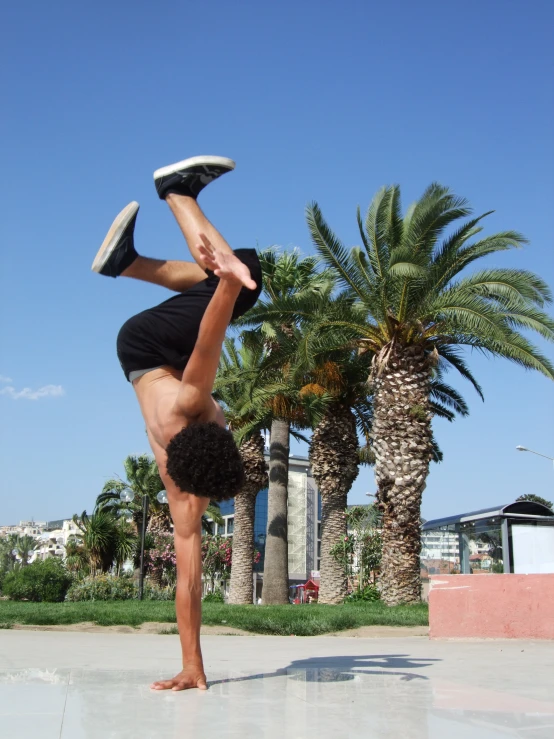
(190, 176)
(118, 250)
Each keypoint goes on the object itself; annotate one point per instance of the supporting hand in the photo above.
(189, 677)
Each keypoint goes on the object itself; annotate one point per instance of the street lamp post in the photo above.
(127, 496)
(145, 506)
(524, 449)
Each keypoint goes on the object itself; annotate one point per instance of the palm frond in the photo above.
(331, 249)
(508, 285)
(517, 349)
(452, 356)
(434, 211)
(376, 232)
(448, 397)
(446, 269)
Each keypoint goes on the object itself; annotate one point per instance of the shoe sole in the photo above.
(194, 162)
(114, 234)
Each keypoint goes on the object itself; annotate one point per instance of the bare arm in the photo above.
(187, 511)
(198, 378)
(199, 375)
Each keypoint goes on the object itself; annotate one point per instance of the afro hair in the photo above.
(203, 459)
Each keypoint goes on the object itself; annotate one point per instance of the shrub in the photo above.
(156, 592)
(43, 580)
(369, 593)
(215, 597)
(102, 587)
(112, 587)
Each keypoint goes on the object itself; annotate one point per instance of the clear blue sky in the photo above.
(321, 101)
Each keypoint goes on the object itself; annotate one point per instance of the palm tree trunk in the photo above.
(241, 588)
(402, 445)
(335, 462)
(255, 473)
(276, 567)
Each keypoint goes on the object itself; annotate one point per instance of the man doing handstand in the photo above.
(170, 354)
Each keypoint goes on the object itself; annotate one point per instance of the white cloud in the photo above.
(52, 391)
(3, 378)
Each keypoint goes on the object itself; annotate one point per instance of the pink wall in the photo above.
(491, 606)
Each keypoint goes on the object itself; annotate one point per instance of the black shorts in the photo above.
(166, 334)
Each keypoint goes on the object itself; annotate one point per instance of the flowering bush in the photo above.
(217, 557)
(161, 560)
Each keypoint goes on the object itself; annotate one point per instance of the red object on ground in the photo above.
(309, 590)
(491, 607)
(310, 585)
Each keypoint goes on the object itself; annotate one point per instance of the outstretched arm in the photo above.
(199, 375)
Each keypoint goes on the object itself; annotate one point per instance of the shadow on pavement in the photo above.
(341, 669)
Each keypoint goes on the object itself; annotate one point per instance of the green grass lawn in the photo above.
(306, 620)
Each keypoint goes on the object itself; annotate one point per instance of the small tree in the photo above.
(532, 498)
(360, 551)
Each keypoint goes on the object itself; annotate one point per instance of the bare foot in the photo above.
(189, 677)
(225, 264)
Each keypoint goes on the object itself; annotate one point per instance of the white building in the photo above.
(29, 528)
(440, 545)
(49, 542)
(52, 543)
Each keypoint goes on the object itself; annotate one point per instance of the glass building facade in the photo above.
(304, 517)
(227, 508)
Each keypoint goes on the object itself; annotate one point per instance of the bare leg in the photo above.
(192, 223)
(173, 275)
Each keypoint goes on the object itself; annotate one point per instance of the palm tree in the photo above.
(7, 558)
(237, 369)
(99, 539)
(142, 478)
(285, 276)
(322, 367)
(413, 313)
(335, 453)
(23, 546)
(326, 371)
(76, 558)
(212, 516)
(335, 456)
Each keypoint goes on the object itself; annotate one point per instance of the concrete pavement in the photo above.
(73, 685)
